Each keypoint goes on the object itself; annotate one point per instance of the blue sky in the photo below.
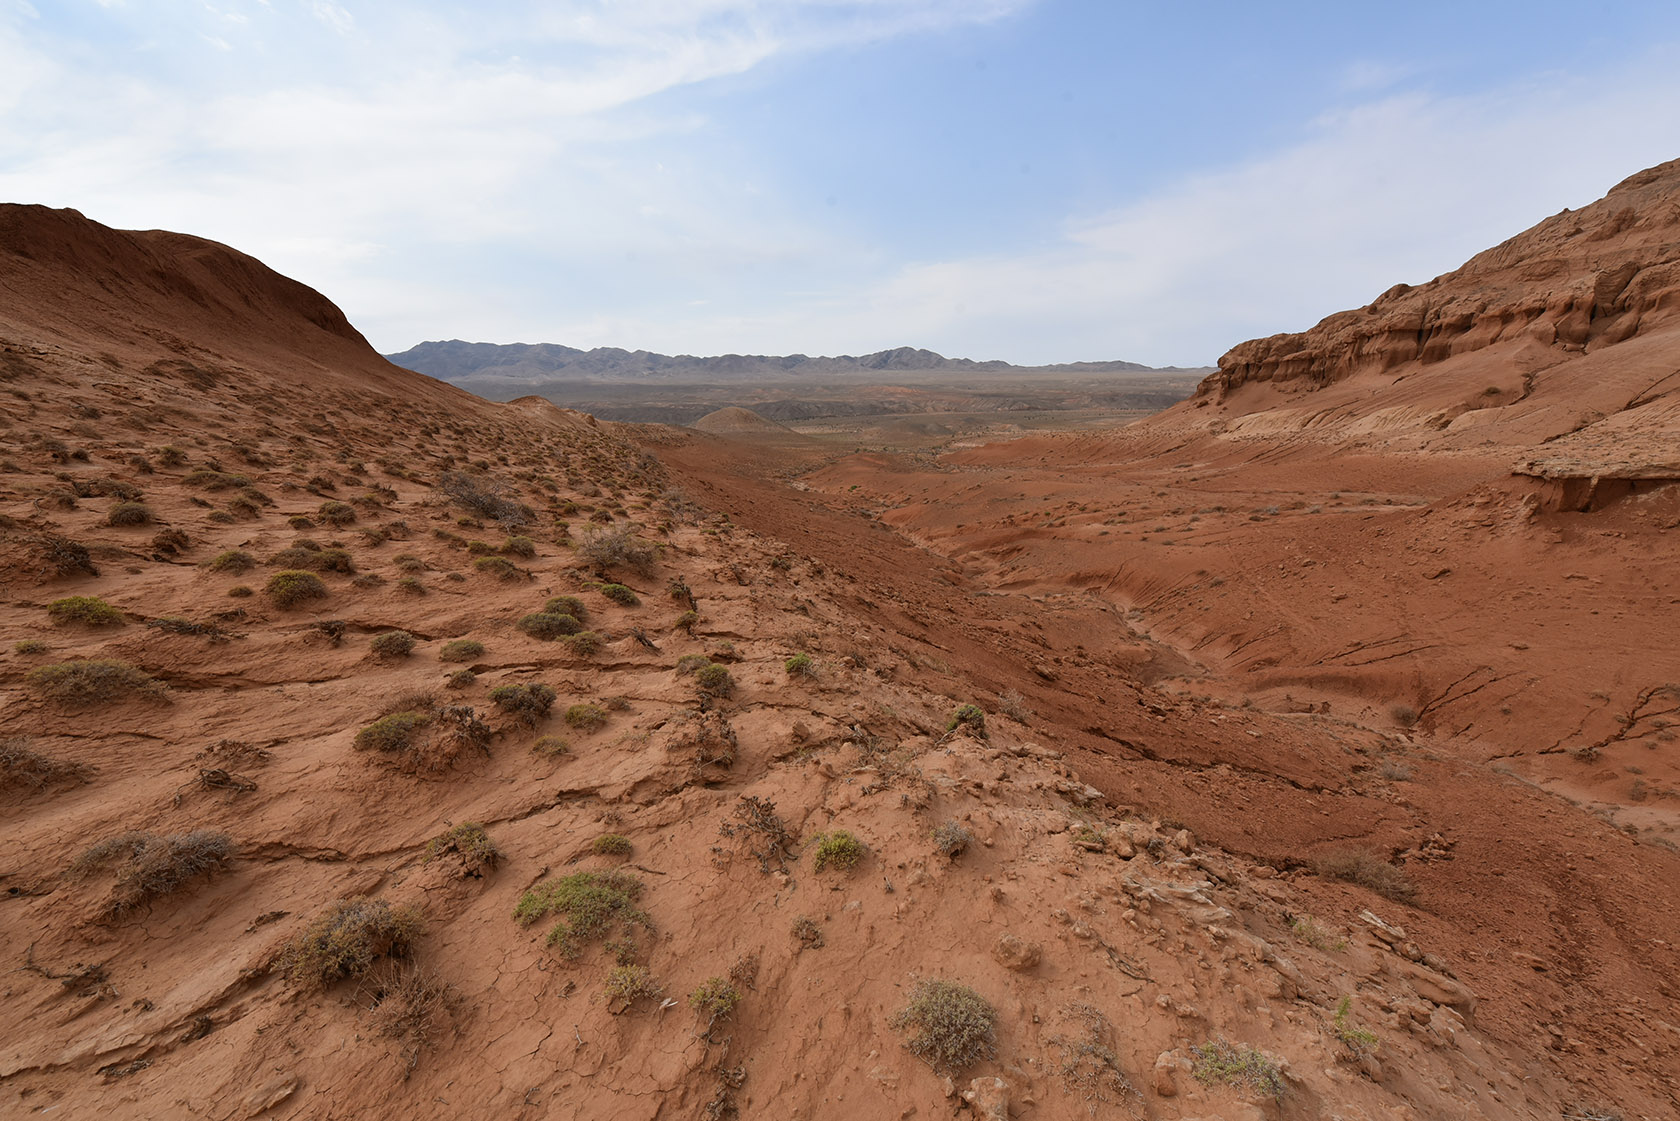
(1035, 180)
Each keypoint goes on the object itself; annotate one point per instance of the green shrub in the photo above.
(392, 733)
(951, 838)
(619, 594)
(548, 627)
(591, 905)
(526, 703)
(392, 644)
(91, 682)
(338, 514)
(1221, 1062)
(950, 1026)
(585, 716)
(233, 562)
(610, 844)
(585, 643)
(837, 849)
(408, 562)
(312, 557)
(148, 866)
(88, 610)
(626, 984)
(715, 999)
(30, 646)
(522, 547)
(687, 620)
(293, 588)
(970, 716)
(460, 650)
(1357, 1040)
(129, 513)
(499, 567)
(565, 605)
(347, 938)
(689, 663)
(714, 680)
(800, 665)
(479, 548)
(408, 585)
(471, 843)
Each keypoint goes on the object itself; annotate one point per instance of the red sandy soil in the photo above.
(1157, 773)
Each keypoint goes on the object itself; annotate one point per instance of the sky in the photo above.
(1033, 180)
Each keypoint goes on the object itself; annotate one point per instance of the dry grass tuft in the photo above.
(148, 866)
(347, 938)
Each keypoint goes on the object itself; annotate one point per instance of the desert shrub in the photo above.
(479, 548)
(308, 555)
(1357, 1040)
(176, 624)
(687, 620)
(215, 480)
(460, 679)
(800, 665)
(807, 933)
(63, 557)
(499, 567)
(837, 849)
(460, 650)
(714, 680)
(689, 663)
(610, 844)
(526, 703)
(88, 610)
(619, 594)
(566, 605)
(626, 984)
(471, 843)
(30, 646)
(232, 562)
(171, 456)
(1221, 1062)
(410, 1006)
(1368, 870)
(950, 1026)
(171, 541)
(22, 767)
(951, 838)
(585, 716)
(78, 684)
(148, 866)
(617, 546)
(241, 591)
(585, 643)
(293, 588)
(551, 746)
(394, 732)
(129, 513)
(548, 627)
(299, 522)
(408, 585)
(337, 514)
(1403, 715)
(408, 562)
(590, 905)
(1309, 930)
(347, 938)
(488, 498)
(519, 546)
(715, 999)
(392, 644)
(969, 716)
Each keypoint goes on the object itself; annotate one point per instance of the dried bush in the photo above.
(92, 682)
(30, 646)
(410, 1006)
(215, 480)
(392, 733)
(1368, 870)
(1221, 1062)
(951, 838)
(519, 546)
(499, 567)
(88, 610)
(526, 703)
(23, 768)
(148, 866)
(336, 514)
(591, 905)
(233, 562)
(610, 844)
(551, 746)
(585, 716)
(837, 849)
(293, 588)
(306, 554)
(488, 498)
(171, 541)
(471, 843)
(460, 650)
(175, 624)
(615, 547)
(689, 663)
(392, 644)
(347, 938)
(61, 556)
(807, 933)
(548, 627)
(1403, 714)
(129, 513)
(950, 1026)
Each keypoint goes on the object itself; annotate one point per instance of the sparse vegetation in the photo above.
(1368, 870)
(587, 717)
(565, 605)
(392, 733)
(551, 746)
(460, 650)
(477, 852)
(1221, 1062)
(526, 703)
(499, 567)
(233, 562)
(616, 547)
(591, 905)
(488, 498)
(23, 768)
(950, 838)
(1403, 715)
(714, 680)
(148, 866)
(129, 513)
(30, 646)
(348, 938)
(90, 611)
(1357, 1040)
(1308, 930)
(807, 933)
(392, 644)
(293, 588)
(97, 681)
(548, 627)
(627, 984)
(970, 717)
(584, 643)
(522, 547)
(837, 849)
(619, 594)
(800, 665)
(336, 514)
(950, 1026)
(715, 999)
(610, 844)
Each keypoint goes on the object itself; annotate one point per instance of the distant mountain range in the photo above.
(464, 362)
